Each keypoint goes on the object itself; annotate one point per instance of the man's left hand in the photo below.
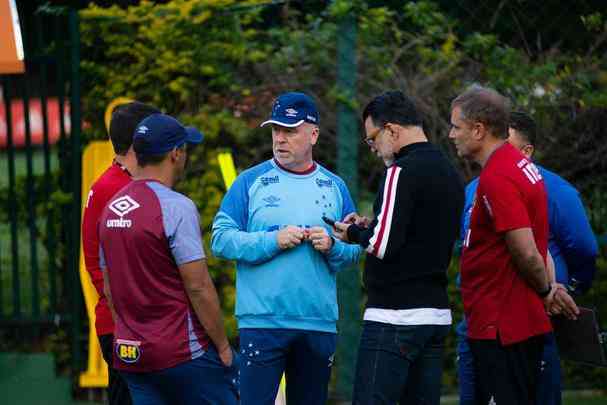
(320, 239)
(340, 230)
(562, 303)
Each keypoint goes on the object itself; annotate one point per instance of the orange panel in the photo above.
(11, 49)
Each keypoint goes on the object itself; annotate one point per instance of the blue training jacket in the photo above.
(571, 242)
(294, 288)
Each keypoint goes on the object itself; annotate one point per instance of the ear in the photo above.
(314, 135)
(174, 154)
(528, 151)
(478, 130)
(394, 131)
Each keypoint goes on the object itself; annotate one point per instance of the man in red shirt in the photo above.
(504, 283)
(122, 126)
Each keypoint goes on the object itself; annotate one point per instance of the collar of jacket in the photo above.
(405, 150)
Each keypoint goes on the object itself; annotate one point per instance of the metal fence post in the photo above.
(75, 156)
(349, 292)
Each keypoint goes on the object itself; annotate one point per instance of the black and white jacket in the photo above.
(409, 243)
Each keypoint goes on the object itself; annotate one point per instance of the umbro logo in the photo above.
(271, 201)
(291, 112)
(121, 206)
(142, 130)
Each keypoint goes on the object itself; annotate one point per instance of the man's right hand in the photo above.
(340, 231)
(290, 237)
(358, 220)
(225, 354)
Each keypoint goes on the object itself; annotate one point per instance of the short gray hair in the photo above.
(487, 106)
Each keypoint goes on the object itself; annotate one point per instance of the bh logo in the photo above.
(122, 206)
(128, 350)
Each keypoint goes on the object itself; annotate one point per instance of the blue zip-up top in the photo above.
(294, 288)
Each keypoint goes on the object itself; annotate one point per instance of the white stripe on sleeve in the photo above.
(379, 240)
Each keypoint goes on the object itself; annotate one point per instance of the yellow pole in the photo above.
(96, 158)
(228, 172)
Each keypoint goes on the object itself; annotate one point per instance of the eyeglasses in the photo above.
(370, 140)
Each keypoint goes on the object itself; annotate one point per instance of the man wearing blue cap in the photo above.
(169, 340)
(271, 223)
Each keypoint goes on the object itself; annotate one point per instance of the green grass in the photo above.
(21, 163)
(23, 237)
(585, 401)
(24, 271)
(569, 398)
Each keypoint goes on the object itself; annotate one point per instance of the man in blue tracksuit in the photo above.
(572, 246)
(271, 223)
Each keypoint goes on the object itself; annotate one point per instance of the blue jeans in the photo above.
(306, 358)
(399, 363)
(204, 380)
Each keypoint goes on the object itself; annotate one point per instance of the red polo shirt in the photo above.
(108, 184)
(497, 300)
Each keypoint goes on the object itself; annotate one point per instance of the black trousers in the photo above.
(507, 375)
(117, 390)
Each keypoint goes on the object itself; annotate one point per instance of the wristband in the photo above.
(545, 293)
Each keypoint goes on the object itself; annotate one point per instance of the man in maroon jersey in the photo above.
(124, 120)
(504, 284)
(169, 342)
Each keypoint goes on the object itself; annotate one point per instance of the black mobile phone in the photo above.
(328, 221)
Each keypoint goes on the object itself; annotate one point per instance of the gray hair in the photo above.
(487, 106)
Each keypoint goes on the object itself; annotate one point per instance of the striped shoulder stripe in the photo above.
(381, 232)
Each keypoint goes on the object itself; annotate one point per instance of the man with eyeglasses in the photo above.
(271, 223)
(409, 246)
(572, 246)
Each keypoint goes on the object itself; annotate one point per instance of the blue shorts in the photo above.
(204, 380)
(306, 358)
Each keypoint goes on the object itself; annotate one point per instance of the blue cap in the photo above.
(163, 133)
(293, 109)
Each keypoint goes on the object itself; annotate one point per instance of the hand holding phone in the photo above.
(328, 221)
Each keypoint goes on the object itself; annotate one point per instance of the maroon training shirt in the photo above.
(145, 233)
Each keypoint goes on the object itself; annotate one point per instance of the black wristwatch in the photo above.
(545, 293)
